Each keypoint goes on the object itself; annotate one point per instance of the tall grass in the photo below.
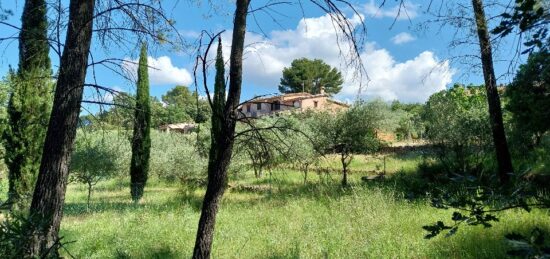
(286, 219)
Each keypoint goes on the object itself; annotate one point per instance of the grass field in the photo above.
(282, 219)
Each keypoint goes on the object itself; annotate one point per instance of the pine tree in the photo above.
(504, 160)
(141, 141)
(29, 104)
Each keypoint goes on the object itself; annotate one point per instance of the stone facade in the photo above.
(290, 102)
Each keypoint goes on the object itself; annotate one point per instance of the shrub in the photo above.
(458, 125)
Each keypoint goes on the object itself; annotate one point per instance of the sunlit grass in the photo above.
(284, 219)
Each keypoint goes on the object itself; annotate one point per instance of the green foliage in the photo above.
(179, 105)
(174, 157)
(350, 132)
(182, 105)
(457, 123)
(527, 16)
(532, 246)
(120, 114)
(218, 104)
(33, 40)
(471, 210)
(475, 205)
(14, 235)
(305, 75)
(28, 115)
(29, 105)
(311, 221)
(529, 100)
(346, 133)
(5, 88)
(301, 148)
(271, 141)
(93, 160)
(141, 141)
(410, 123)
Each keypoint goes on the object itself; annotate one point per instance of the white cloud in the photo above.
(411, 81)
(161, 71)
(406, 11)
(189, 34)
(402, 38)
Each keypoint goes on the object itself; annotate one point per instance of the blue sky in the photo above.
(403, 62)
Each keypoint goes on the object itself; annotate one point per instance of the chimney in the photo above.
(322, 90)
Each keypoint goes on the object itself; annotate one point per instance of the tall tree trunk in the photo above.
(495, 112)
(222, 140)
(141, 141)
(49, 194)
(29, 105)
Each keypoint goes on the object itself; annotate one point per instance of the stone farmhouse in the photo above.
(290, 102)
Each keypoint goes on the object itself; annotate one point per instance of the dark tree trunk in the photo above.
(49, 194)
(89, 196)
(344, 170)
(222, 145)
(495, 112)
(305, 170)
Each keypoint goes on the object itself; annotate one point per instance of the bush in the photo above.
(458, 126)
(174, 156)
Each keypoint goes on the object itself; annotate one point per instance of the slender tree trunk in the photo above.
(222, 145)
(306, 169)
(49, 194)
(89, 196)
(495, 112)
(344, 170)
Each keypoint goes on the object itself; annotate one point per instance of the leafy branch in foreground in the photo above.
(479, 206)
(532, 246)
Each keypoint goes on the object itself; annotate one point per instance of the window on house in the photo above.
(258, 106)
(296, 104)
(248, 108)
(315, 104)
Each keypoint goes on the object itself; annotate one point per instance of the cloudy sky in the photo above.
(402, 61)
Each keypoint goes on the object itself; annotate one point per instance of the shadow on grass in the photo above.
(479, 242)
(155, 252)
(280, 192)
(81, 208)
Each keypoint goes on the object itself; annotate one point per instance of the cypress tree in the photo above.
(219, 93)
(29, 104)
(141, 141)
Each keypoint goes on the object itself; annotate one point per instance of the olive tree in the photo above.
(457, 123)
(346, 133)
(267, 142)
(92, 161)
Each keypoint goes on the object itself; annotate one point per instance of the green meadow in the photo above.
(278, 216)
